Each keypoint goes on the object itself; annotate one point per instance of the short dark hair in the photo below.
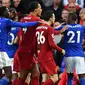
(32, 6)
(47, 15)
(72, 17)
(2, 10)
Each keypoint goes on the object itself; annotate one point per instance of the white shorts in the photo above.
(75, 63)
(4, 60)
(11, 64)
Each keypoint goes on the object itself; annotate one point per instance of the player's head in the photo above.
(64, 14)
(72, 18)
(35, 7)
(82, 14)
(48, 16)
(13, 14)
(3, 11)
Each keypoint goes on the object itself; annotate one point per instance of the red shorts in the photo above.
(16, 65)
(48, 66)
(26, 60)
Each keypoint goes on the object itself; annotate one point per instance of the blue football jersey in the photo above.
(73, 40)
(10, 47)
(5, 26)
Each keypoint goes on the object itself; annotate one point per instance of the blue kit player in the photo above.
(5, 26)
(74, 57)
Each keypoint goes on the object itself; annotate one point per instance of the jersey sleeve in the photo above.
(83, 28)
(59, 28)
(51, 39)
(20, 24)
(19, 35)
(56, 32)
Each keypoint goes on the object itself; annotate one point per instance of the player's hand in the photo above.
(63, 52)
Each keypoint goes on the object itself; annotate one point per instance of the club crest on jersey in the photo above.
(13, 28)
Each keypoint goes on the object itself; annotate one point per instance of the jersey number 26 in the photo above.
(40, 37)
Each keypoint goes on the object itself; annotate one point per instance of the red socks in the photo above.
(48, 82)
(63, 80)
(35, 80)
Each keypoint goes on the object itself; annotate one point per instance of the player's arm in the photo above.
(18, 38)
(57, 32)
(60, 29)
(20, 24)
(52, 43)
(15, 41)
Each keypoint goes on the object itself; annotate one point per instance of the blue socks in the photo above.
(70, 80)
(82, 81)
(4, 81)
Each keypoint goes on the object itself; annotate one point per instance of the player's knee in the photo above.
(54, 78)
(44, 77)
(35, 71)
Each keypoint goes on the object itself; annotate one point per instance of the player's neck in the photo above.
(48, 22)
(33, 14)
(83, 22)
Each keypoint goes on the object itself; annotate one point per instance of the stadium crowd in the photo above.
(42, 42)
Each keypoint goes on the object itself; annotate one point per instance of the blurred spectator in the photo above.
(64, 16)
(82, 16)
(84, 3)
(47, 2)
(0, 2)
(16, 3)
(82, 22)
(57, 7)
(6, 3)
(73, 8)
(20, 7)
(80, 3)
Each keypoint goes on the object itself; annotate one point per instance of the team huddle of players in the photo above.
(34, 52)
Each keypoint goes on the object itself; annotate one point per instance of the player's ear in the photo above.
(35, 10)
(51, 19)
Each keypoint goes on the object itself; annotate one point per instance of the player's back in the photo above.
(10, 46)
(43, 35)
(3, 32)
(73, 40)
(28, 35)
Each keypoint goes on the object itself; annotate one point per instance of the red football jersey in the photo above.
(45, 41)
(28, 35)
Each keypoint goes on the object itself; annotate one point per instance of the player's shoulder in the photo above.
(30, 18)
(74, 25)
(42, 26)
(6, 19)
